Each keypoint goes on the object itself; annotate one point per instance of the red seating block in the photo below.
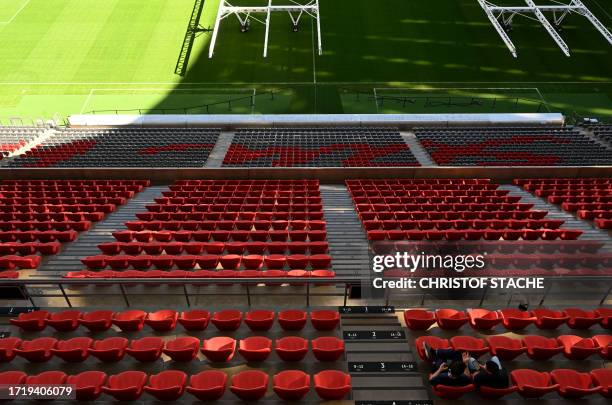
(194, 320)
(111, 349)
(130, 320)
(291, 385)
(291, 348)
(96, 321)
(332, 384)
(577, 348)
(64, 321)
(7, 348)
(476, 347)
(73, 350)
(573, 384)
(207, 385)
(126, 386)
(227, 320)
(450, 319)
(259, 320)
(184, 348)
(548, 318)
(87, 385)
(483, 319)
(255, 348)
(505, 348)
(31, 321)
(250, 385)
(37, 350)
(433, 341)
(163, 320)
(419, 319)
(146, 349)
(532, 384)
(292, 319)
(323, 320)
(541, 348)
(168, 385)
(603, 378)
(219, 349)
(515, 319)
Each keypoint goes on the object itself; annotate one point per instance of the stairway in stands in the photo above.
(69, 259)
(348, 245)
(215, 159)
(381, 362)
(417, 149)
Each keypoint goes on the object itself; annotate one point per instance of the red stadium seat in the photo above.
(168, 385)
(126, 386)
(292, 319)
(291, 385)
(603, 378)
(259, 320)
(419, 319)
(7, 348)
(96, 321)
(327, 348)
(207, 385)
(73, 350)
(163, 320)
(449, 392)
(31, 321)
(548, 318)
(531, 383)
(194, 320)
(577, 348)
(291, 348)
(515, 319)
(255, 348)
(540, 347)
(323, 320)
(450, 319)
(332, 384)
(433, 341)
(12, 377)
(146, 349)
(64, 321)
(87, 385)
(227, 320)
(483, 319)
(47, 378)
(250, 385)
(476, 347)
(581, 319)
(605, 345)
(219, 349)
(110, 349)
(184, 348)
(37, 350)
(572, 384)
(506, 348)
(130, 320)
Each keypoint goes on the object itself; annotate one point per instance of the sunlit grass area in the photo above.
(62, 57)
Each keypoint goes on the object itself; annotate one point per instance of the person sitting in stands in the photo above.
(491, 374)
(456, 374)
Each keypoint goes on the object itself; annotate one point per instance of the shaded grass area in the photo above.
(70, 56)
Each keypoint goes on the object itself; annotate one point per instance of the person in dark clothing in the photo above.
(451, 370)
(491, 374)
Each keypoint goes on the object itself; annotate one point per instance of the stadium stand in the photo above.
(512, 146)
(237, 227)
(603, 132)
(128, 368)
(451, 209)
(589, 199)
(122, 147)
(539, 357)
(14, 138)
(319, 147)
(37, 216)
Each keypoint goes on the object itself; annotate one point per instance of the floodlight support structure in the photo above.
(244, 15)
(502, 17)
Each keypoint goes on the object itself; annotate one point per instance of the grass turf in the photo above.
(61, 57)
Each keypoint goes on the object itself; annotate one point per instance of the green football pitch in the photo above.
(62, 57)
